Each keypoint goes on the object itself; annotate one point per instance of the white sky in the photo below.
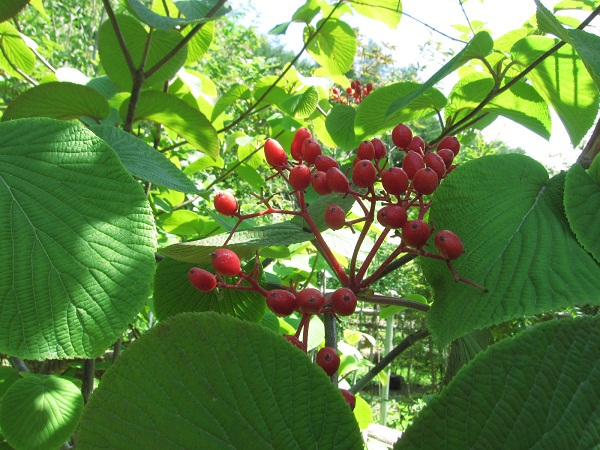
(500, 16)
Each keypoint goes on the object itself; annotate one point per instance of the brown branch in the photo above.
(591, 149)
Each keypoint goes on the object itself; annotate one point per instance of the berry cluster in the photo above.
(394, 197)
(356, 92)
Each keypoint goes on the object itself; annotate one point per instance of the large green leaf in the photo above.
(58, 100)
(301, 105)
(518, 243)
(200, 43)
(8, 376)
(177, 115)
(235, 92)
(334, 47)
(173, 294)
(340, 125)
(464, 349)
(195, 12)
(14, 52)
(77, 239)
(536, 390)
(386, 11)
(215, 381)
(10, 8)
(144, 161)
(563, 81)
(135, 36)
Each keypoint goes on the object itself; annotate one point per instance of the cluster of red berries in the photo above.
(356, 92)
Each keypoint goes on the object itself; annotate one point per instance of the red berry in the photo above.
(416, 145)
(310, 300)
(364, 174)
(415, 233)
(225, 203)
(447, 155)
(310, 150)
(281, 302)
(226, 262)
(448, 244)
(343, 302)
(451, 168)
(392, 216)
(319, 183)
(294, 341)
(366, 150)
(436, 162)
(300, 177)
(328, 359)
(401, 136)
(379, 147)
(337, 181)
(349, 397)
(425, 181)
(349, 91)
(335, 217)
(274, 153)
(202, 279)
(411, 163)
(296, 148)
(369, 87)
(450, 142)
(395, 180)
(324, 163)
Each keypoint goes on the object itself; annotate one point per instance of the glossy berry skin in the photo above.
(449, 142)
(401, 136)
(343, 302)
(436, 162)
(294, 341)
(318, 180)
(395, 180)
(226, 262)
(412, 163)
(310, 300)
(335, 217)
(349, 397)
(447, 156)
(416, 145)
(337, 181)
(425, 181)
(281, 302)
(366, 150)
(328, 359)
(392, 216)
(310, 150)
(379, 147)
(296, 148)
(448, 244)
(364, 174)
(225, 203)
(300, 177)
(324, 163)
(274, 153)
(415, 233)
(202, 279)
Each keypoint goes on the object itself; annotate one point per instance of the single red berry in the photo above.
(401, 136)
(335, 91)
(343, 302)
(349, 91)
(379, 147)
(447, 156)
(448, 244)
(226, 262)
(366, 150)
(337, 181)
(449, 142)
(319, 183)
(415, 233)
(436, 162)
(324, 163)
(274, 153)
(425, 181)
(395, 180)
(369, 87)
(296, 148)
(225, 203)
(411, 163)
(310, 300)
(349, 397)
(328, 359)
(335, 217)
(294, 341)
(310, 150)
(281, 302)
(202, 279)
(364, 174)
(300, 177)
(416, 145)
(392, 216)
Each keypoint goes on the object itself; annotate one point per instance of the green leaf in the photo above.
(464, 349)
(40, 412)
(200, 43)
(8, 376)
(582, 208)
(197, 13)
(307, 12)
(235, 92)
(536, 390)
(594, 169)
(14, 52)
(243, 384)
(135, 36)
(10, 8)
(199, 9)
(563, 81)
(301, 105)
(518, 244)
(334, 47)
(143, 161)
(182, 222)
(179, 117)
(586, 5)
(58, 100)
(340, 125)
(77, 238)
(385, 11)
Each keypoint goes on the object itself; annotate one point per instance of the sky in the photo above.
(499, 16)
